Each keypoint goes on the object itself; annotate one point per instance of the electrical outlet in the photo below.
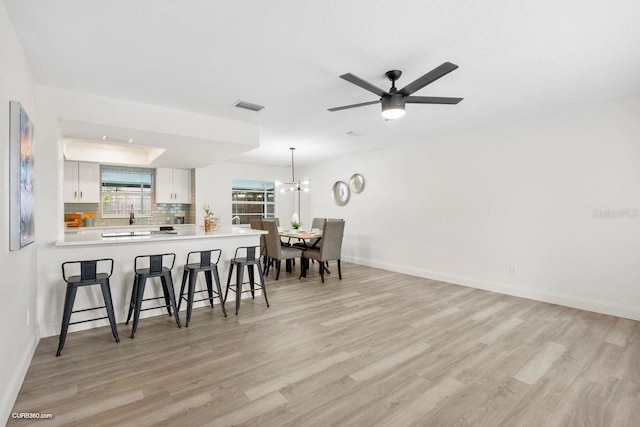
(513, 269)
(28, 317)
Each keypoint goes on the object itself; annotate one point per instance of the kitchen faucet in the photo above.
(234, 218)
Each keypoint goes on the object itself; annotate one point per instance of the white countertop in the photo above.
(125, 227)
(93, 235)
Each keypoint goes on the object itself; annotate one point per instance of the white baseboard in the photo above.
(13, 388)
(604, 307)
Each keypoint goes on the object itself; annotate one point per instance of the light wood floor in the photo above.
(377, 348)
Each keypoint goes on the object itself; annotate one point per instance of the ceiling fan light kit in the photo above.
(393, 106)
(393, 102)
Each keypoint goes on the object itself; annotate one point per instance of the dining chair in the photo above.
(257, 224)
(318, 223)
(275, 251)
(330, 249)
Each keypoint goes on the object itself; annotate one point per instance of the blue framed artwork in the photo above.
(21, 170)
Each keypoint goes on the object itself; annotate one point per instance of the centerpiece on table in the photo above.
(295, 221)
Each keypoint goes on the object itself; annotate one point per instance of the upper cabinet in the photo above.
(173, 186)
(81, 182)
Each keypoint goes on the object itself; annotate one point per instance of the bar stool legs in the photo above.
(108, 302)
(138, 297)
(66, 317)
(250, 261)
(155, 269)
(190, 275)
(189, 279)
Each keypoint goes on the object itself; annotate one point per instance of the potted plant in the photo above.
(295, 221)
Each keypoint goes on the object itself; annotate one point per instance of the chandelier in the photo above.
(294, 185)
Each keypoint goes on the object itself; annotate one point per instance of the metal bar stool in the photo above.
(251, 259)
(191, 271)
(156, 268)
(88, 276)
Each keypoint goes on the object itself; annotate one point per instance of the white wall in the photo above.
(101, 110)
(18, 284)
(214, 187)
(464, 209)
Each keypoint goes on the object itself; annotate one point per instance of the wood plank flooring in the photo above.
(377, 348)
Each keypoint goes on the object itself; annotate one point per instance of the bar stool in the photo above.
(88, 276)
(156, 268)
(191, 271)
(251, 259)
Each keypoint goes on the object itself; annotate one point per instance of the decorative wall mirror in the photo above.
(356, 183)
(340, 193)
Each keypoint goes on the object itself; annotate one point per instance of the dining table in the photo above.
(309, 238)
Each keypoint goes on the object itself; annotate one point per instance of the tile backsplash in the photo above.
(164, 213)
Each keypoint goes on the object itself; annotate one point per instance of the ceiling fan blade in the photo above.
(363, 84)
(430, 77)
(432, 100)
(344, 107)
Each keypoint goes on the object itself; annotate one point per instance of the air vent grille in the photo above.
(249, 106)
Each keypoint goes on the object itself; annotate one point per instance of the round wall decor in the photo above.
(356, 183)
(340, 193)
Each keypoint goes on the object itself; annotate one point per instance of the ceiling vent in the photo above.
(249, 106)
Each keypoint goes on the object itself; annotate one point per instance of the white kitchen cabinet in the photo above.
(173, 186)
(81, 182)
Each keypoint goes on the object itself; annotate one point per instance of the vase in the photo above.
(215, 223)
(207, 223)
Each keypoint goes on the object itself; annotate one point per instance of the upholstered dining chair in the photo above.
(275, 251)
(256, 224)
(330, 249)
(318, 223)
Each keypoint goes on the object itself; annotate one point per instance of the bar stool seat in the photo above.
(250, 260)
(191, 271)
(156, 268)
(88, 276)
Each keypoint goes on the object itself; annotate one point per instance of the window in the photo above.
(252, 200)
(125, 190)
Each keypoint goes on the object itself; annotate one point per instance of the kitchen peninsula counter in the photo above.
(88, 243)
(147, 234)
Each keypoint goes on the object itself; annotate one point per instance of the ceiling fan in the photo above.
(394, 100)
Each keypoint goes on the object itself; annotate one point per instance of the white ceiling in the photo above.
(517, 59)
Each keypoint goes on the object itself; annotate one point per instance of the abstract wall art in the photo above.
(21, 170)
